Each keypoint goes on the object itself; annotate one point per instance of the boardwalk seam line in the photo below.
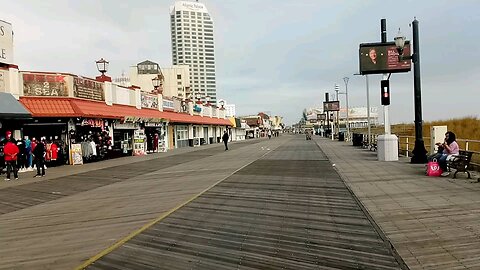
(160, 218)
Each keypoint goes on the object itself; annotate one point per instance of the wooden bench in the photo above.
(373, 146)
(370, 146)
(461, 163)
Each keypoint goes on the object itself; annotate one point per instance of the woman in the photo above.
(450, 148)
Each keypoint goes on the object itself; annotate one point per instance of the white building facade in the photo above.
(192, 33)
(177, 81)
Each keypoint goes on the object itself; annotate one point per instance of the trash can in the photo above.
(357, 139)
(341, 136)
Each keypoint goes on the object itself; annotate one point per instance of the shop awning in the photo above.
(10, 108)
(48, 107)
(195, 119)
(71, 107)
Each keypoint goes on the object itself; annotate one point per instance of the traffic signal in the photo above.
(385, 93)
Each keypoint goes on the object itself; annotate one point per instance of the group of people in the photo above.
(446, 151)
(12, 156)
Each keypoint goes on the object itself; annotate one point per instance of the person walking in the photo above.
(39, 156)
(269, 134)
(11, 154)
(225, 139)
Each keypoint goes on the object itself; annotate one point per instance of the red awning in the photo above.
(49, 107)
(72, 107)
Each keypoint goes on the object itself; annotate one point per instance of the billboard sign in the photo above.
(149, 101)
(321, 117)
(45, 84)
(88, 89)
(6, 43)
(331, 106)
(378, 58)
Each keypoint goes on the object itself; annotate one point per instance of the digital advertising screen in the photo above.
(378, 58)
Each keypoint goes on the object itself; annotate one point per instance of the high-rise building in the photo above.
(193, 45)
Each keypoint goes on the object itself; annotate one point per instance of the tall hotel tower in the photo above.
(193, 45)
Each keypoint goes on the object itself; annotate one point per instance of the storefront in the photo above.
(156, 137)
(12, 117)
(123, 138)
(54, 131)
(94, 138)
(181, 136)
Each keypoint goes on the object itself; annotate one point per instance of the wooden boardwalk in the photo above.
(288, 210)
(265, 204)
(433, 222)
(60, 223)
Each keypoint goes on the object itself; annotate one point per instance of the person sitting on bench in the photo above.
(448, 149)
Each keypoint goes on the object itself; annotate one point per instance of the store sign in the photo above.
(6, 43)
(136, 119)
(159, 124)
(118, 125)
(93, 123)
(41, 84)
(168, 104)
(3, 80)
(197, 108)
(149, 101)
(88, 89)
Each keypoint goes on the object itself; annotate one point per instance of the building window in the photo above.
(179, 76)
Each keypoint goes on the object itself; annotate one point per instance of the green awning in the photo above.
(11, 108)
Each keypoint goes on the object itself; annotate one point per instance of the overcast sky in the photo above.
(275, 56)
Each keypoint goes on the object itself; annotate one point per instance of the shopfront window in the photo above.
(182, 133)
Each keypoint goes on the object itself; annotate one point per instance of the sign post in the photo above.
(331, 106)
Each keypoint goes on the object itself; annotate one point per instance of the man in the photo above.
(11, 154)
(225, 139)
(39, 156)
(372, 54)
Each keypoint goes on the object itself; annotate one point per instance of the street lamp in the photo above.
(337, 89)
(419, 153)
(345, 80)
(222, 103)
(369, 132)
(102, 66)
(156, 83)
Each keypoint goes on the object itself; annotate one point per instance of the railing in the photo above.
(407, 143)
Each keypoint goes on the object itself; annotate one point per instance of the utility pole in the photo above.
(346, 79)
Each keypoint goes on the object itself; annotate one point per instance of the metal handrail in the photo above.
(406, 143)
(409, 142)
